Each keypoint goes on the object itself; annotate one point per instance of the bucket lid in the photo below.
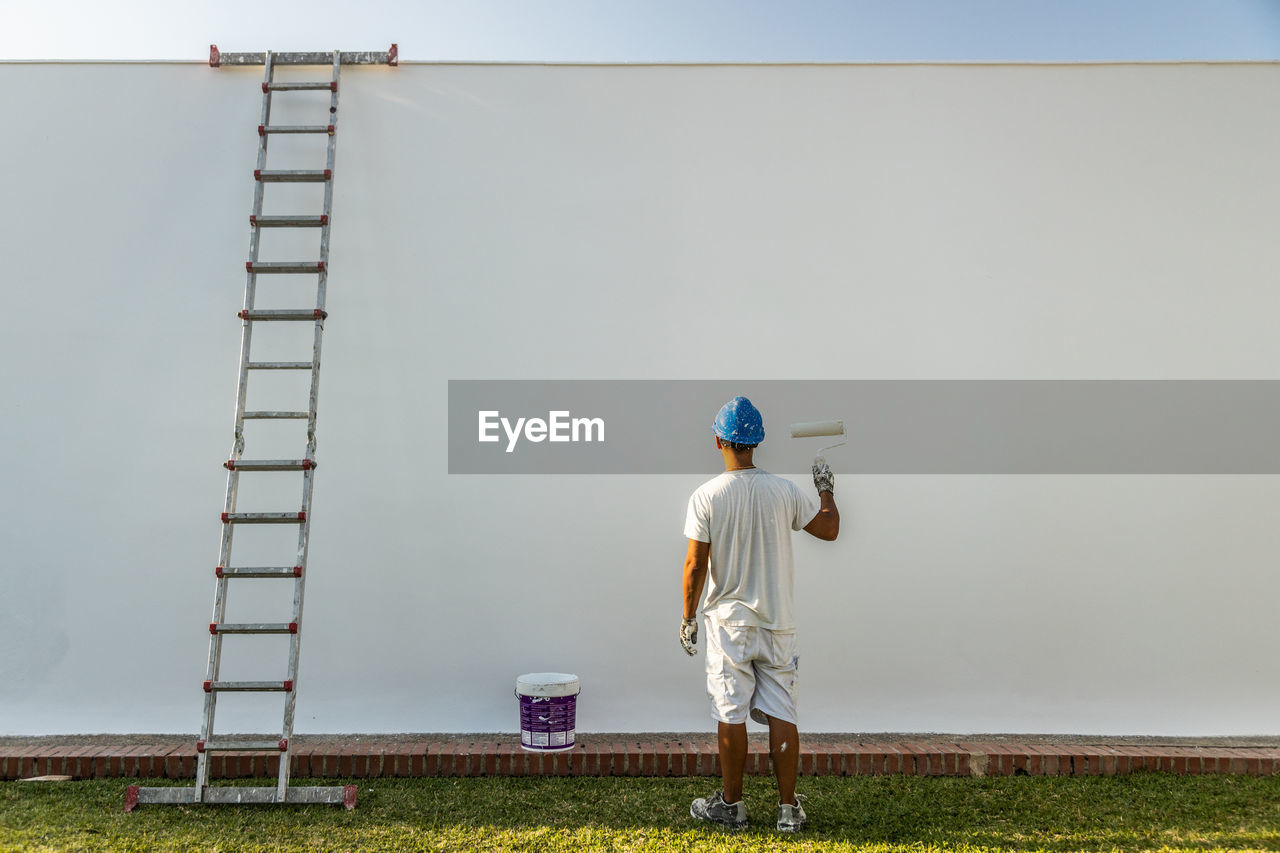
(547, 684)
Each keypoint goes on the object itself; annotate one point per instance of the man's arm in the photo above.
(826, 524)
(695, 575)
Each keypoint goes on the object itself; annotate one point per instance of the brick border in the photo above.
(643, 756)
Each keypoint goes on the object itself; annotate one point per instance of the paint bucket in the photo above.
(548, 710)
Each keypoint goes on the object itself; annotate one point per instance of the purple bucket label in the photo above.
(547, 722)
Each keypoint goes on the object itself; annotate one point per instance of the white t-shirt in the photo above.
(748, 516)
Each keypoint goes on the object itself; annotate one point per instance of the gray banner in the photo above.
(894, 427)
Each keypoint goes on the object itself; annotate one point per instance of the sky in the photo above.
(652, 30)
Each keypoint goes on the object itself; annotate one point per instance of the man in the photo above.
(739, 528)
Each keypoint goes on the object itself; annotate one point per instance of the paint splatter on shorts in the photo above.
(751, 670)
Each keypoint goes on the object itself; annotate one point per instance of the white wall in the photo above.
(828, 222)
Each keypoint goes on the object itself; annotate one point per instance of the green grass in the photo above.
(1147, 811)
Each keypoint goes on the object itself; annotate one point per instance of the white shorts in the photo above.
(751, 670)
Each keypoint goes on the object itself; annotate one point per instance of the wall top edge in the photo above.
(690, 64)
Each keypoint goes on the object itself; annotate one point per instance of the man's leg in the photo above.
(733, 758)
(777, 678)
(784, 746)
(729, 685)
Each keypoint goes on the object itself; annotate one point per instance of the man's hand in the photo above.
(822, 476)
(689, 635)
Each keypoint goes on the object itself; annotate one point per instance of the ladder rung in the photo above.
(276, 416)
(253, 627)
(248, 686)
(280, 745)
(292, 176)
(282, 314)
(264, 129)
(258, 571)
(311, 86)
(279, 365)
(269, 464)
(283, 266)
(289, 221)
(263, 517)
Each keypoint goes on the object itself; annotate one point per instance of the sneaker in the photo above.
(791, 818)
(716, 810)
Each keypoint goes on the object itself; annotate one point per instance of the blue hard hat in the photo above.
(739, 422)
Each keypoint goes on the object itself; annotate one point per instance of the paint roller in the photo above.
(810, 429)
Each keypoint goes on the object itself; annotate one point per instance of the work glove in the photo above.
(822, 476)
(689, 635)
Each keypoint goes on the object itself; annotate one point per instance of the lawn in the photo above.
(1143, 811)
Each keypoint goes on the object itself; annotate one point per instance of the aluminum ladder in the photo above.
(227, 571)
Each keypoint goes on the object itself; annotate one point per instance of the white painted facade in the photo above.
(518, 221)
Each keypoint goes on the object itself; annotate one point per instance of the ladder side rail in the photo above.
(233, 476)
(328, 186)
(210, 698)
(308, 474)
(295, 639)
(251, 278)
(322, 282)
